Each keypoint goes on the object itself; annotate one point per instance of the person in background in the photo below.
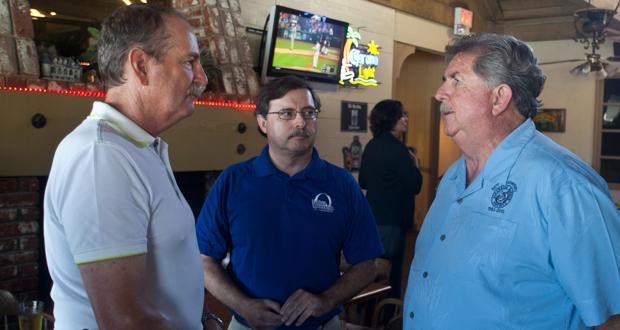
(285, 216)
(390, 175)
(522, 234)
(119, 236)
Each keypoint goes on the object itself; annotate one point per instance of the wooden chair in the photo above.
(396, 322)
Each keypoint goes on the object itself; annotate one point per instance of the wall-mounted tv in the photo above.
(303, 44)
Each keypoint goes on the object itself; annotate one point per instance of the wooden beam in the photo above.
(438, 11)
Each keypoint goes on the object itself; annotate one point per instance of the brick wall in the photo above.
(220, 30)
(18, 55)
(20, 228)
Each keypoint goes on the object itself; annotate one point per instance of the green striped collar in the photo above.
(130, 130)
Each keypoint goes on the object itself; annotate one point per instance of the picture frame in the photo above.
(550, 120)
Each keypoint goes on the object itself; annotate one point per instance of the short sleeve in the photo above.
(584, 239)
(105, 205)
(212, 225)
(362, 240)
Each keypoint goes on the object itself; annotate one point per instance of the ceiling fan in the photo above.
(591, 29)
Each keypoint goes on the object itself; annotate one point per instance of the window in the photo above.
(607, 132)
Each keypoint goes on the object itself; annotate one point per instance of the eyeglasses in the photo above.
(290, 114)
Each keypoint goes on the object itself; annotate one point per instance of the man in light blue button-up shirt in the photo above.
(522, 234)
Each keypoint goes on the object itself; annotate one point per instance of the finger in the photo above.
(295, 308)
(272, 306)
(303, 317)
(291, 302)
(294, 314)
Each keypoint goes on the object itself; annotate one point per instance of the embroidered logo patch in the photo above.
(322, 202)
(502, 195)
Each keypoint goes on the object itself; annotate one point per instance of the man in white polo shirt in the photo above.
(119, 236)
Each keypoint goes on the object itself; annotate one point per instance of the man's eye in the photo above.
(286, 113)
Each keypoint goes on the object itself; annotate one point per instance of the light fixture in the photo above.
(127, 2)
(36, 13)
(591, 29)
(52, 13)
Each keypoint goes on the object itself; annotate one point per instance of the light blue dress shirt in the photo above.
(532, 243)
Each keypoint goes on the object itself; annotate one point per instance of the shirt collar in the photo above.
(130, 130)
(263, 166)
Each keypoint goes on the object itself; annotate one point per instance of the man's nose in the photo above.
(441, 94)
(299, 120)
(200, 77)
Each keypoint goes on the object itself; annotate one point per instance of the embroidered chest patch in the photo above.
(502, 195)
(322, 202)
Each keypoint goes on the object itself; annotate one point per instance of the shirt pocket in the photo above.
(479, 246)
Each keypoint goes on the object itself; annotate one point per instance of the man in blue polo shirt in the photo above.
(285, 216)
(522, 233)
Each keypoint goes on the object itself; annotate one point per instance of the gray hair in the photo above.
(503, 59)
(137, 25)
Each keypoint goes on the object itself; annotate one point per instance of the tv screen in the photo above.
(303, 44)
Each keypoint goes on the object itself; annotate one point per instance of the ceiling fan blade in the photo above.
(613, 58)
(563, 61)
(610, 69)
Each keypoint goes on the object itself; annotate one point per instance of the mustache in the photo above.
(196, 90)
(444, 108)
(299, 132)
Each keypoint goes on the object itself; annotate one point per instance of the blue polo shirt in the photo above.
(285, 233)
(532, 243)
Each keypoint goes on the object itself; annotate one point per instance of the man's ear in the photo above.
(262, 123)
(501, 98)
(137, 62)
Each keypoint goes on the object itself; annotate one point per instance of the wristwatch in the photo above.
(210, 316)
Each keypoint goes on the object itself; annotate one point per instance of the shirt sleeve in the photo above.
(584, 240)
(105, 205)
(212, 225)
(362, 240)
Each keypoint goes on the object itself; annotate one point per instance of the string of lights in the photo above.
(245, 107)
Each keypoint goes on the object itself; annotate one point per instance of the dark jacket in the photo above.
(391, 180)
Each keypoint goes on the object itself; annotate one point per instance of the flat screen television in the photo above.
(303, 44)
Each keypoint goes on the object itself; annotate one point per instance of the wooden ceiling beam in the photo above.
(435, 10)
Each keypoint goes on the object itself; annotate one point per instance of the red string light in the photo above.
(245, 107)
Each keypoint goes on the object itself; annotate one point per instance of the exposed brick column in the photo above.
(20, 217)
(221, 32)
(8, 56)
(18, 54)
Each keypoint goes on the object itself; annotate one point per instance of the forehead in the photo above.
(461, 63)
(296, 98)
(181, 34)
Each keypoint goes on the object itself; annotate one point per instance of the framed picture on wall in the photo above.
(550, 120)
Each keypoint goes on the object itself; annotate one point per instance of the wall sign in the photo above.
(353, 116)
(359, 62)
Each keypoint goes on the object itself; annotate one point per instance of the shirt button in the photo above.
(425, 274)
(442, 237)
(411, 314)
(460, 201)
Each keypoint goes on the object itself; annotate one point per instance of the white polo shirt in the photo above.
(111, 193)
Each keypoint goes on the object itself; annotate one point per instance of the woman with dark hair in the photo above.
(391, 177)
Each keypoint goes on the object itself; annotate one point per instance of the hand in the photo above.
(301, 305)
(263, 314)
(414, 159)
